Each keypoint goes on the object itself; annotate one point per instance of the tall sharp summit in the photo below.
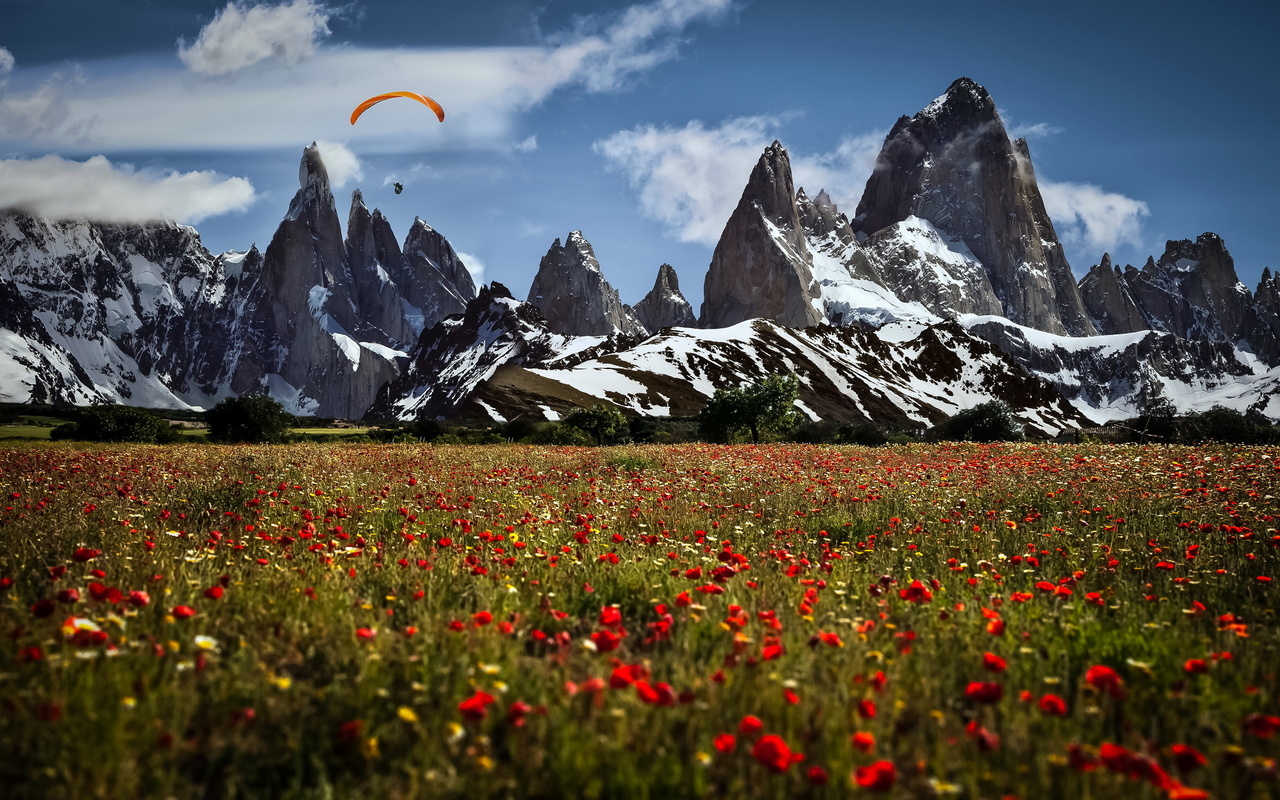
(573, 295)
(762, 266)
(664, 306)
(954, 166)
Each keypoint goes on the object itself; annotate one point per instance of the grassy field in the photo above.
(345, 620)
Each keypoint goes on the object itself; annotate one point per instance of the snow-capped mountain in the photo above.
(144, 315)
(947, 288)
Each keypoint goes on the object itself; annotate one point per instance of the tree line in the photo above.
(758, 411)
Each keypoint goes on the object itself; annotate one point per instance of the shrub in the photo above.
(250, 419)
(760, 408)
(117, 424)
(988, 422)
(605, 424)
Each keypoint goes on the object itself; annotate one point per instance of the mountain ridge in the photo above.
(950, 242)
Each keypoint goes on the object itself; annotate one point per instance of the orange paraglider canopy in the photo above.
(421, 98)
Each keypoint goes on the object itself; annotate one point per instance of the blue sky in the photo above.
(635, 122)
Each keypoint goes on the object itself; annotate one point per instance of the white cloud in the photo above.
(42, 110)
(1037, 130)
(145, 103)
(101, 191)
(842, 172)
(689, 178)
(242, 34)
(6, 65)
(342, 165)
(473, 265)
(1085, 216)
(602, 54)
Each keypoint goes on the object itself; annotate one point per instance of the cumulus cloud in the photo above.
(473, 265)
(342, 165)
(1088, 217)
(1036, 130)
(242, 34)
(6, 66)
(602, 52)
(101, 191)
(689, 178)
(843, 172)
(43, 110)
(145, 103)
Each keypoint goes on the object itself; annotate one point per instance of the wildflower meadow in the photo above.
(351, 620)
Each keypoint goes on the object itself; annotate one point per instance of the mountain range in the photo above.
(946, 288)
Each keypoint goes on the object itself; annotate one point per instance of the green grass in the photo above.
(369, 591)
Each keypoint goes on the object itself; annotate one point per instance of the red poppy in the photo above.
(606, 641)
(1186, 758)
(916, 592)
(818, 776)
(725, 743)
(774, 753)
(365, 634)
(139, 598)
(1105, 679)
(83, 554)
(750, 725)
(1053, 705)
(1261, 725)
(866, 709)
(214, 592)
(877, 777)
(183, 612)
(984, 692)
(481, 618)
(993, 663)
(476, 707)
(863, 741)
(1195, 666)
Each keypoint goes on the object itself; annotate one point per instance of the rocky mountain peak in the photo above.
(664, 306)
(954, 166)
(571, 292)
(762, 266)
(964, 103)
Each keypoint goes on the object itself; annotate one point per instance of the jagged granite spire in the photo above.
(664, 306)
(954, 166)
(1108, 302)
(573, 295)
(762, 266)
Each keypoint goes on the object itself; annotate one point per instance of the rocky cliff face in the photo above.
(573, 295)
(1260, 329)
(954, 166)
(435, 283)
(144, 315)
(1192, 291)
(762, 267)
(1105, 294)
(664, 306)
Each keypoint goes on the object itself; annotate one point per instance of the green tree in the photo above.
(758, 408)
(605, 424)
(116, 424)
(250, 419)
(992, 421)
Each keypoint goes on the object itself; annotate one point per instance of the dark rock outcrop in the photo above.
(664, 306)
(573, 295)
(1107, 301)
(953, 165)
(762, 267)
